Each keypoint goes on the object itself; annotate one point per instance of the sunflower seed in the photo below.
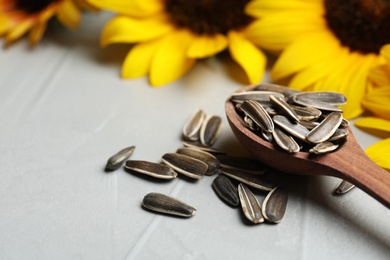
(309, 124)
(254, 181)
(267, 136)
(306, 113)
(192, 126)
(185, 165)
(285, 141)
(226, 190)
(295, 129)
(284, 108)
(250, 205)
(344, 122)
(210, 130)
(276, 88)
(274, 205)
(324, 147)
(257, 113)
(211, 161)
(250, 124)
(343, 187)
(165, 204)
(156, 170)
(308, 102)
(325, 129)
(259, 96)
(332, 98)
(115, 161)
(340, 134)
(206, 148)
(243, 164)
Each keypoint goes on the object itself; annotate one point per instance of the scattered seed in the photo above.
(274, 205)
(343, 187)
(250, 205)
(226, 190)
(165, 204)
(192, 126)
(185, 165)
(211, 161)
(156, 170)
(210, 130)
(115, 161)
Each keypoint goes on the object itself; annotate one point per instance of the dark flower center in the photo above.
(33, 6)
(208, 16)
(360, 25)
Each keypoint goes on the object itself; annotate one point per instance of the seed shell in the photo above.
(308, 102)
(250, 205)
(226, 190)
(274, 205)
(185, 165)
(306, 113)
(333, 98)
(285, 141)
(258, 114)
(115, 161)
(192, 126)
(343, 187)
(259, 96)
(254, 181)
(295, 129)
(325, 129)
(324, 147)
(276, 88)
(284, 108)
(156, 170)
(211, 161)
(210, 130)
(340, 134)
(165, 204)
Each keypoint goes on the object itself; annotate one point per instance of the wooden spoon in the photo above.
(349, 162)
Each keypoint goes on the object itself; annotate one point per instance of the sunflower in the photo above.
(376, 102)
(18, 17)
(324, 44)
(170, 35)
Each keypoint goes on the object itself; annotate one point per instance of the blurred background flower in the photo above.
(377, 104)
(325, 44)
(18, 17)
(170, 35)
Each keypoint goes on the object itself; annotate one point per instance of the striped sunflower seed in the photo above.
(210, 130)
(211, 161)
(285, 141)
(250, 124)
(168, 205)
(308, 102)
(333, 98)
(156, 170)
(257, 113)
(254, 181)
(340, 134)
(115, 161)
(276, 88)
(343, 187)
(284, 108)
(185, 165)
(325, 129)
(324, 147)
(295, 129)
(274, 205)
(192, 126)
(259, 96)
(306, 113)
(250, 205)
(226, 190)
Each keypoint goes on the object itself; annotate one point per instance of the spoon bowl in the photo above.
(349, 162)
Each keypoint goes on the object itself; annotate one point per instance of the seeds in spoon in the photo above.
(325, 129)
(258, 114)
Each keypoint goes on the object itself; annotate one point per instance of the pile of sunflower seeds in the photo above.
(295, 121)
(235, 176)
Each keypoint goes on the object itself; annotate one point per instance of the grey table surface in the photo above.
(64, 110)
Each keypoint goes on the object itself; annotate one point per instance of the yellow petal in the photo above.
(380, 153)
(205, 46)
(254, 7)
(17, 31)
(36, 33)
(385, 52)
(373, 123)
(380, 75)
(4, 24)
(170, 61)
(124, 29)
(304, 51)
(250, 58)
(138, 60)
(69, 14)
(135, 8)
(378, 102)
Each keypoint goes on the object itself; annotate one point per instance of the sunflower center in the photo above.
(208, 16)
(33, 6)
(361, 25)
